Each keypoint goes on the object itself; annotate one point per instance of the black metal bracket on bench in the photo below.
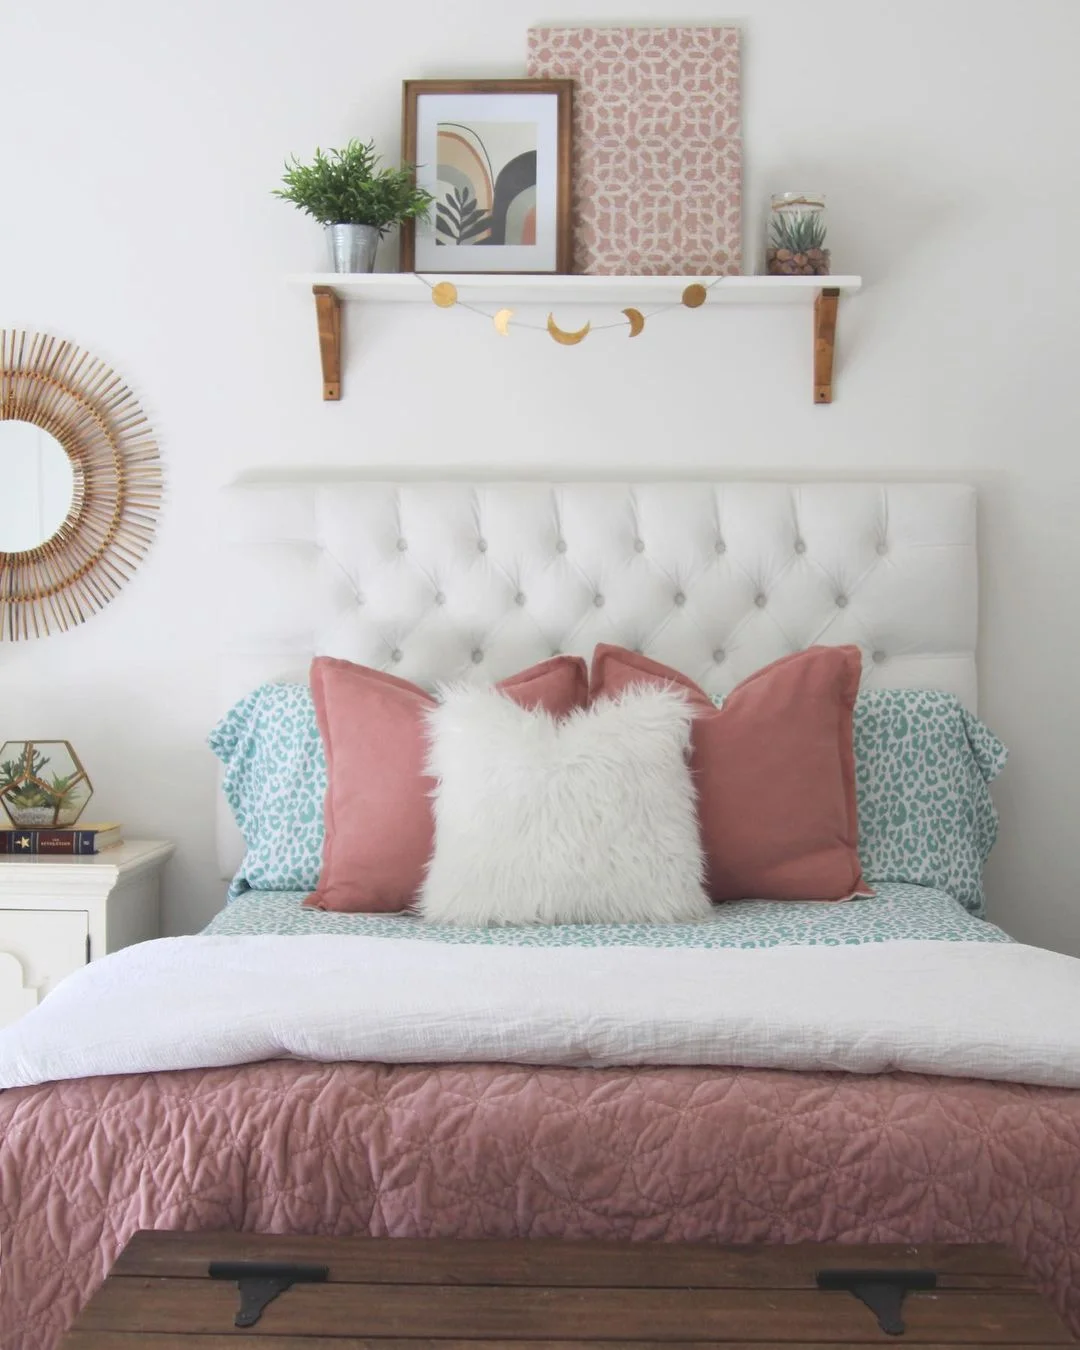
(882, 1291)
(260, 1282)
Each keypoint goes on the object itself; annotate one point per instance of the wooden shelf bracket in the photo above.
(825, 307)
(328, 313)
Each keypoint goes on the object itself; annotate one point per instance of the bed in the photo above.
(924, 1089)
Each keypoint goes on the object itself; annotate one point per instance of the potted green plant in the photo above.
(356, 201)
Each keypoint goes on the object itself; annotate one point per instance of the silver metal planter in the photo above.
(352, 247)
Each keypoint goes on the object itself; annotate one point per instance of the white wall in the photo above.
(140, 141)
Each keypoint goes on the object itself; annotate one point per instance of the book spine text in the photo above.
(16, 842)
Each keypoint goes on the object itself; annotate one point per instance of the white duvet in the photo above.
(973, 1009)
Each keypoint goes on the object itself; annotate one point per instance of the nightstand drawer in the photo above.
(37, 949)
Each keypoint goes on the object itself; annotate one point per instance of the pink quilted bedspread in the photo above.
(500, 1151)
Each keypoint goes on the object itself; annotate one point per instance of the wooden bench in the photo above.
(213, 1291)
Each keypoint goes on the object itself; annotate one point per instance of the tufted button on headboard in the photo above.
(439, 580)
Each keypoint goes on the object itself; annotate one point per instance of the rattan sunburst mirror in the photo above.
(80, 484)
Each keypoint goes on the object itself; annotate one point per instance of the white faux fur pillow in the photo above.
(590, 819)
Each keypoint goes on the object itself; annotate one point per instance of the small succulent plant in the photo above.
(797, 231)
(20, 793)
(26, 787)
(796, 245)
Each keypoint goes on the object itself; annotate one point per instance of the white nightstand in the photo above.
(56, 914)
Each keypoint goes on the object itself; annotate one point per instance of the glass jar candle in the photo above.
(795, 237)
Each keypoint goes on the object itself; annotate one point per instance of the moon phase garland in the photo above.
(445, 295)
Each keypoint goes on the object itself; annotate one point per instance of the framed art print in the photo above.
(495, 155)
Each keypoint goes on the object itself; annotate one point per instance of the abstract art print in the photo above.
(486, 191)
(657, 146)
(495, 155)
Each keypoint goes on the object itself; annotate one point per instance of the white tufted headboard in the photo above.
(442, 580)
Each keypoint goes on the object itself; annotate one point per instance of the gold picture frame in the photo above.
(117, 484)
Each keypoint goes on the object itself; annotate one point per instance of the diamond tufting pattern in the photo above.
(438, 570)
(502, 1151)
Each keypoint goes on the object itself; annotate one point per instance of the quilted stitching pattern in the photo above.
(500, 1151)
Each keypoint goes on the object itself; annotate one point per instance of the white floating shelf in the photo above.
(481, 288)
(331, 289)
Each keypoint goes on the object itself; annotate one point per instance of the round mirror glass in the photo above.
(38, 486)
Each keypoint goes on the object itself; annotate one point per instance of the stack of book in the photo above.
(80, 840)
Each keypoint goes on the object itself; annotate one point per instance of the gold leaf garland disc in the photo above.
(444, 294)
(694, 295)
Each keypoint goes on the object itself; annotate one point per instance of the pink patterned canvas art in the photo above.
(657, 146)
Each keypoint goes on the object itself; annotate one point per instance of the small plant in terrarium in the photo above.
(42, 784)
(796, 240)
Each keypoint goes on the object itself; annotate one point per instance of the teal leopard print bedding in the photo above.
(896, 913)
(923, 765)
(275, 782)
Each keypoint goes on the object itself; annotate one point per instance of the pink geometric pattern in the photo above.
(657, 185)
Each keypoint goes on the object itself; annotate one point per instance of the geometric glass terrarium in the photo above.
(43, 784)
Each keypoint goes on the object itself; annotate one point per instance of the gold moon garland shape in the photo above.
(501, 320)
(117, 478)
(694, 295)
(636, 320)
(444, 294)
(566, 338)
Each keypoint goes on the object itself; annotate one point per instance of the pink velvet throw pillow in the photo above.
(379, 825)
(774, 769)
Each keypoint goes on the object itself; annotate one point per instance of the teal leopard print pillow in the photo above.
(275, 783)
(922, 768)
